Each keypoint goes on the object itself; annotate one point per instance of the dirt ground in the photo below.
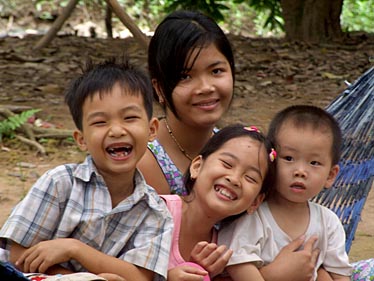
(271, 74)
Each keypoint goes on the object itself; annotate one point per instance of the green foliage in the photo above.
(358, 15)
(8, 126)
(5, 5)
(210, 7)
(250, 17)
(146, 13)
(269, 10)
(45, 7)
(267, 14)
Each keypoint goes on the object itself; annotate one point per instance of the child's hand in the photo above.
(45, 254)
(292, 264)
(186, 273)
(210, 256)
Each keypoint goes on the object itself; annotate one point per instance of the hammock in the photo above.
(354, 110)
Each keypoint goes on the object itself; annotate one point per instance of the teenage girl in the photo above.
(191, 65)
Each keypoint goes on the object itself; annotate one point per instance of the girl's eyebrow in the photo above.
(217, 63)
(252, 168)
(213, 64)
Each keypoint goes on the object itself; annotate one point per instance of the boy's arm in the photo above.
(336, 261)
(46, 254)
(98, 262)
(323, 275)
(339, 277)
(244, 272)
(16, 251)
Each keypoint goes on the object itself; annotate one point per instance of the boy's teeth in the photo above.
(119, 151)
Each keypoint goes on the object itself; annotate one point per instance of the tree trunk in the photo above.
(129, 23)
(56, 26)
(114, 5)
(312, 20)
(108, 21)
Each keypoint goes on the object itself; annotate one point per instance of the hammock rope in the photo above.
(354, 110)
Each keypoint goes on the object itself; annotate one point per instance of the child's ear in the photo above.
(79, 139)
(196, 166)
(161, 99)
(332, 176)
(153, 128)
(256, 203)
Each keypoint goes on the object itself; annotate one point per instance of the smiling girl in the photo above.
(229, 177)
(192, 70)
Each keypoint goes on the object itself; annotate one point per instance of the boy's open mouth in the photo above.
(119, 151)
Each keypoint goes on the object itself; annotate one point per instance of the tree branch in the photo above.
(37, 145)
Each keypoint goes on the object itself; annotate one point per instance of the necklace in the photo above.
(176, 142)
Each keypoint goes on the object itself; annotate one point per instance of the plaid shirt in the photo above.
(73, 201)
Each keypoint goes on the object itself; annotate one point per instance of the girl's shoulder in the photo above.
(174, 204)
(171, 199)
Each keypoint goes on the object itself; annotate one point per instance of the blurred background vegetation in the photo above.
(242, 17)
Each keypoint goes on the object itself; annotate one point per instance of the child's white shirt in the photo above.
(257, 238)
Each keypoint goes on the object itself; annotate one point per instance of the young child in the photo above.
(308, 141)
(191, 64)
(102, 206)
(223, 181)
(229, 177)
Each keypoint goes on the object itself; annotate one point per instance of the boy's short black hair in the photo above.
(100, 78)
(308, 115)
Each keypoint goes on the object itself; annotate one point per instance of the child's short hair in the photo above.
(171, 46)
(100, 79)
(308, 115)
(231, 132)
